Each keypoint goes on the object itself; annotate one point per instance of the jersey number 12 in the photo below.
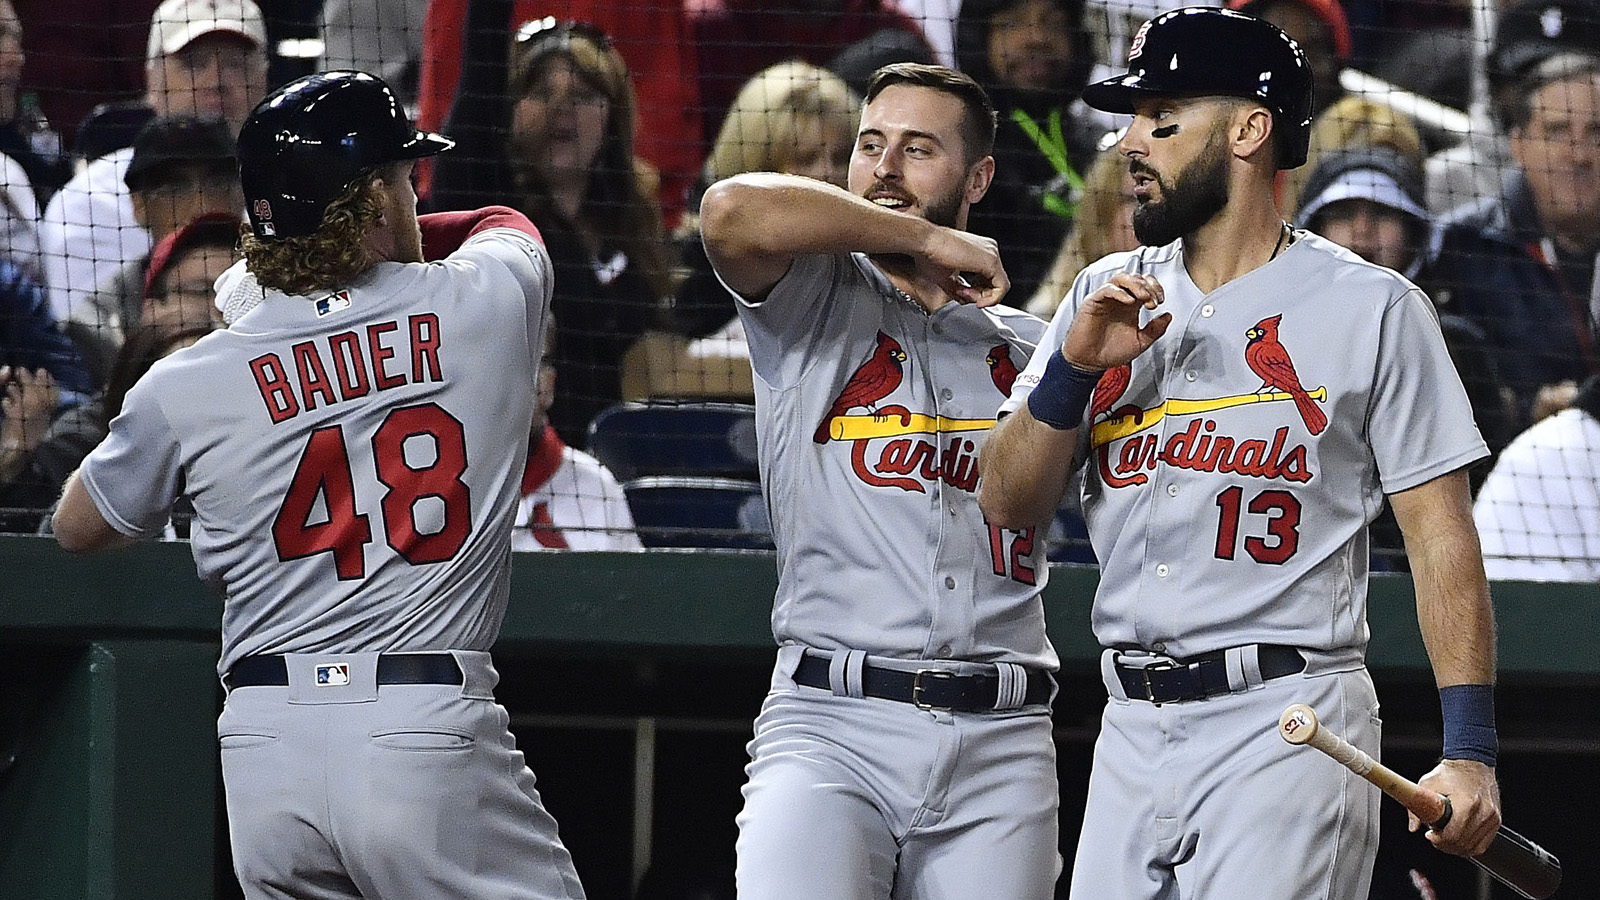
(324, 470)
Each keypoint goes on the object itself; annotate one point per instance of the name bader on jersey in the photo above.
(358, 365)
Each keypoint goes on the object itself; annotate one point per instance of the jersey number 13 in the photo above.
(324, 469)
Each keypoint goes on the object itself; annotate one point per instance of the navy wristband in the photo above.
(1061, 395)
(1469, 732)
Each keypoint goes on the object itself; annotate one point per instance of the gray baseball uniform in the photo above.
(870, 414)
(354, 462)
(1233, 471)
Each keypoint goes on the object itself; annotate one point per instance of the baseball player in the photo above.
(1245, 396)
(353, 446)
(904, 749)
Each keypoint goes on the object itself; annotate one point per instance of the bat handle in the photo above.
(1444, 817)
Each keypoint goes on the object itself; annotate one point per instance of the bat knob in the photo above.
(1298, 724)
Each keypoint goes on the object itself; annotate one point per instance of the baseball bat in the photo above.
(1517, 862)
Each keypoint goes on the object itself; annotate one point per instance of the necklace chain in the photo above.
(1283, 233)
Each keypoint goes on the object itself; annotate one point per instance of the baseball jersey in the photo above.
(353, 458)
(869, 416)
(570, 502)
(1234, 467)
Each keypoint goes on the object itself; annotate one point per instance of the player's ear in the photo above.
(979, 176)
(1252, 131)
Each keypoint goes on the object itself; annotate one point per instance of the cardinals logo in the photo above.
(1001, 369)
(893, 447)
(874, 380)
(1137, 48)
(1204, 445)
(1267, 358)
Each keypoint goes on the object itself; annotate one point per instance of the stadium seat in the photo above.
(664, 438)
(697, 511)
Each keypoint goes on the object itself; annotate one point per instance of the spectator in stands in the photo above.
(793, 118)
(550, 131)
(179, 310)
(180, 285)
(1528, 32)
(204, 57)
(569, 500)
(1104, 225)
(25, 136)
(383, 37)
(180, 169)
(41, 376)
(1522, 266)
(1033, 57)
(653, 37)
(1350, 122)
(1538, 514)
(735, 39)
(1321, 30)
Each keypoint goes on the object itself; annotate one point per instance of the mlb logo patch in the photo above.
(333, 675)
(333, 303)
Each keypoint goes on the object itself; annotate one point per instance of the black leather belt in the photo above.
(1202, 676)
(393, 668)
(926, 688)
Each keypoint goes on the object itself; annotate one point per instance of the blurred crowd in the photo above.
(1458, 145)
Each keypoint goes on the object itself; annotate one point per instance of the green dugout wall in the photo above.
(108, 698)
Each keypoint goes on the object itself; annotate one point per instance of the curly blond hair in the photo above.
(327, 258)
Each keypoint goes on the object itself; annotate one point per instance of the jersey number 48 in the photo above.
(324, 470)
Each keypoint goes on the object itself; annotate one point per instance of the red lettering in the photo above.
(425, 348)
(1221, 449)
(273, 383)
(1111, 478)
(1130, 456)
(349, 365)
(858, 464)
(381, 355)
(1294, 465)
(1248, 459)
(896, 457)
(313, 377)
(1180, 445)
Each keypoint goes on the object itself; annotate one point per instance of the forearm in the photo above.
(1024, 467)
(1454, 609)
(765, 217)
(1453, 604)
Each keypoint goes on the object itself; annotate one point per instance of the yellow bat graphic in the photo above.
(1135, 422)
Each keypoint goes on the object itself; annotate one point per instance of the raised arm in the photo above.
(755, 225)
(1457, 620)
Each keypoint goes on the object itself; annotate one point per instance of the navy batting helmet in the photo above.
(308, 141)
(1200, 51)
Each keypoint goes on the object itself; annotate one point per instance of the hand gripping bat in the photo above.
(1519, 863)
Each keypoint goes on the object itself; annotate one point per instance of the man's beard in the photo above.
(944, 210)
(1189, 201)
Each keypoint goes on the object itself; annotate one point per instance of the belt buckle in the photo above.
(1144, 672)
(916, 686)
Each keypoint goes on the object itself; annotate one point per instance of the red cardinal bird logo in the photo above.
(1109, 389)
(1268, 359)
(876, 379)
(1001, 369)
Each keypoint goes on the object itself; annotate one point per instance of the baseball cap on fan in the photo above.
(177, 22)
